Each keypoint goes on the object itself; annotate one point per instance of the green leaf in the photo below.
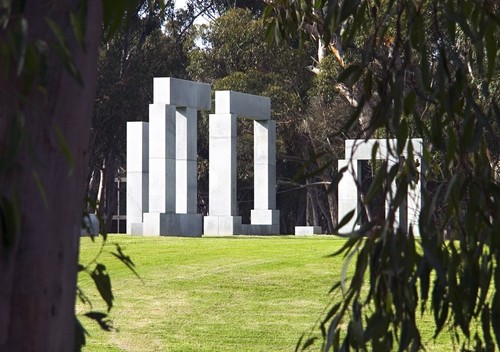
(495, 315)
(348, 9)
(62, 50)
(485, 324)
(376, 326)
(21, 44)
(10, 221)
(41, 188)
(377, 184)
(103, 284)
(63, 145)
(439, 306)
(16, 135)
(78, 25)
(491, 49)
(351, 74)
(424, 276)
(345, 220)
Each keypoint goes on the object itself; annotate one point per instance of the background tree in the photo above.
(236, 56)
(421, 69)
(127, 64)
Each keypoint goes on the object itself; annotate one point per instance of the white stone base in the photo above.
(259, 230)
(172, 224)
(231, 225)
(307, 230)
(136, 229)
(264, 217)
(222, 225)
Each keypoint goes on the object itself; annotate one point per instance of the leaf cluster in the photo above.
(428, 70)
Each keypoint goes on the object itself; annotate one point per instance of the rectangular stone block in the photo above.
(190, 225)
(186, 134)
(264, 217)
(243, 105)
(162, 185)
(347, 188)
(260, 230)
(162, 134)
(136, 229)
(210, 225)
(137, 197)
(182, 93)
(222, 125)
(222, 225)
(222, 176)
(264, 186)
(264, 142)
(186, 197)
(137, 146)
(161, 224)
(307, 230)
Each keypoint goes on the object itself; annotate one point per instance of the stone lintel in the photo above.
(182, 93)
(244, 105)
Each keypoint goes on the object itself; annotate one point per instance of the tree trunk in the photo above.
(38, 270)
(110, 191)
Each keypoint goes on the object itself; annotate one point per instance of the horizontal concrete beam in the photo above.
(243, 105)
(362, 150)
(182, 93)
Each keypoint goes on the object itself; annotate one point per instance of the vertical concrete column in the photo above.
(186, 161)
(162, 145)
(348, 194)
(159, 220)
(173, 156)
(265, 164)
(137, 175)
(264, 212)
(222, 167)
(222, 209)
(222, 219)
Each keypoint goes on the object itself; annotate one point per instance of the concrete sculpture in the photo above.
(348, 195)
(223, 218)
(162, 161)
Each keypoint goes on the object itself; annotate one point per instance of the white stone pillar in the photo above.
(222, 207)
(222, 218)
(348, 194)
(173, 157)
(162, 142)
(264, 212)
(186, 161)
(137, 175)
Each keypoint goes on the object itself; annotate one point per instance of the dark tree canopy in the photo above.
(417, 69)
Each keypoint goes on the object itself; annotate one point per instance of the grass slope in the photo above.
(218, 294)
(212, 294)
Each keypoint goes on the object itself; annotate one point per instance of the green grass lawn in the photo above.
(213, 294)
